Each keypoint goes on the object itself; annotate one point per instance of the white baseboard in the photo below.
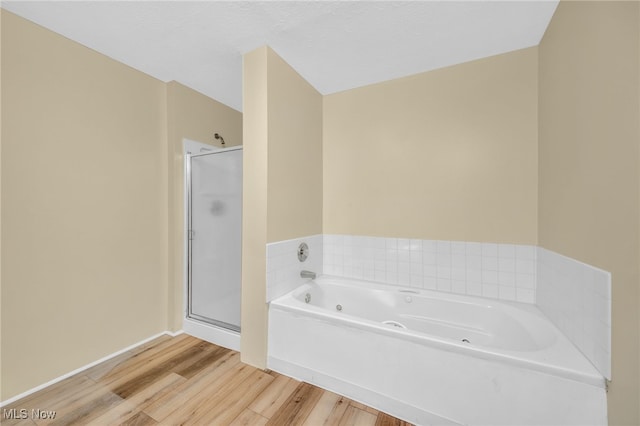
(85, 367)
(174, 333)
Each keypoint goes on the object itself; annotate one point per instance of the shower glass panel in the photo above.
(215, 235)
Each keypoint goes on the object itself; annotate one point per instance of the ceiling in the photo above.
(334, 45)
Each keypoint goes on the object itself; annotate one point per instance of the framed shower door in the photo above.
(214, 185)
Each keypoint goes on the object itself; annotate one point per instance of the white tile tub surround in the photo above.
(577, 299)
(500, 271)
(283, 266)
(575, 296)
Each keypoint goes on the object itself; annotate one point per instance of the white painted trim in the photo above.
(85, 367)
(295, 239)
(357, 393)
(212, 334)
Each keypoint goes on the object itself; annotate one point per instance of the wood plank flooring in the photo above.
(185, 381)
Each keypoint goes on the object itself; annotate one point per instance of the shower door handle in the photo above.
(190, 234)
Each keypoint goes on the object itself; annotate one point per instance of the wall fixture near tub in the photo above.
(303, 252)
(218, 136)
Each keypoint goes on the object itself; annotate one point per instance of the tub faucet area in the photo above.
(308, 274)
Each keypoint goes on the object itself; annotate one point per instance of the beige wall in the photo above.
(92, 196)
(194, 116)
(282, 178)
(91, 179)
(84, 220)
(295, 154)
(253, 339)
(448, 154)
(0, 213)
(589, 164)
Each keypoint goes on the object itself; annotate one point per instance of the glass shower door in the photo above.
(215, 236)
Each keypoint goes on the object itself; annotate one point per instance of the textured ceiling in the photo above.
(335, 45)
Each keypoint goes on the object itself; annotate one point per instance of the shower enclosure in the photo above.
(213, 184)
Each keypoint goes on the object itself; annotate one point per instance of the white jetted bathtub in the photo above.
(434, 358)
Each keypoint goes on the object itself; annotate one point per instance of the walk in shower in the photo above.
(213, 236)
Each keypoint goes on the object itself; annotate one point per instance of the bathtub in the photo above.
(433, 358)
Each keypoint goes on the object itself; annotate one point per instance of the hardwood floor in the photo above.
(184, 380)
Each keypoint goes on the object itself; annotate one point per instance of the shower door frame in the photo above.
(217, 332)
